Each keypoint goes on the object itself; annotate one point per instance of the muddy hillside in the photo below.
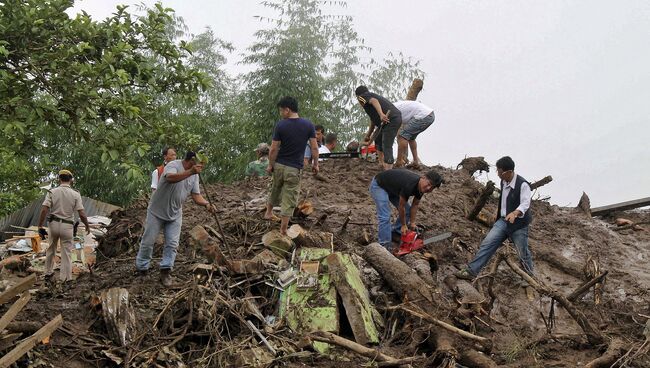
(328, 297)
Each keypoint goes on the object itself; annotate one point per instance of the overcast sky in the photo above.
(563, 87)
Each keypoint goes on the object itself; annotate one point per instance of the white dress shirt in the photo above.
(525, 195)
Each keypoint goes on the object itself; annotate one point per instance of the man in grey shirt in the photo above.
(165, 212)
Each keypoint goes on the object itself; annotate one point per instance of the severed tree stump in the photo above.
(304, 238)
(474, 164)
(118, 316)
(414, 90)
(277, 243)
(481, 200)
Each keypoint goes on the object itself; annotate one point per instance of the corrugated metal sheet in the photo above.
(28, 216)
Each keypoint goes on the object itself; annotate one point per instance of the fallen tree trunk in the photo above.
(310, 239)
(26, 327)
(481, 200)
(421, 266)
(614, 351)
(594, 337)
(541, 182)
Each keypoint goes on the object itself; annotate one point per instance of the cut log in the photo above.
(26, 327)
(13, 311)
(475, 359)
(310, 239)
(623, 206)
(118, 316)
(202, 239)
(277, 243)
(27, 344)
(614, 351)
(421, 266)
(414, 89)
(22, 285)
(354, 295)
(584, 204)
(474, 164)
(594, 337)
(541, 182)
(632, 225)
(481, 200)
(17, 263)
(304, 208)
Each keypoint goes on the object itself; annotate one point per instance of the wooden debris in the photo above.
(26, 327)
(594, 337)
(277, 243)
(27, 344)
(473, 164)
(414, 89)
(615, 349)
(584, 288)
(118, 316)
(584, 204)
(331, 338)
(421, 265)
(202, 239)
(632, 225)
(481, 200)
(623, 206)
(309, 239)
(446, 326)
(14, 309)
(354, 295)
(22, 285)
(8, 340)
(259, 334)
(303, 209)
(17, 263)
(541, 182)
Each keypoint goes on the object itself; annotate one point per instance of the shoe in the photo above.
(166, 277)
(141, 273)
(465, 274)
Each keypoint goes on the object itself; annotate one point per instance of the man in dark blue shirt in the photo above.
(286, 159)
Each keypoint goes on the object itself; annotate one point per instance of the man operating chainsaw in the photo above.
(395, 187)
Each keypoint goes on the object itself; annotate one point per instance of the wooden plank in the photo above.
(27, 344)
(623, 206)
(13, 311)
(22, 285)
(354, 295)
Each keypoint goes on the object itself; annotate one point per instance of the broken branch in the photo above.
(582, 290)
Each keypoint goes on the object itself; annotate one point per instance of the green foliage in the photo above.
(69, 82)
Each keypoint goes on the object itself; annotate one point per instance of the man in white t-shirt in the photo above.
(169, 155)
(330, 144)
(416, 117)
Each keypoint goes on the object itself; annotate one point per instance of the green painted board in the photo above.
(312, 309)
(356, 300)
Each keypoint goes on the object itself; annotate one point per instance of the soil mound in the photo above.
(203, 320)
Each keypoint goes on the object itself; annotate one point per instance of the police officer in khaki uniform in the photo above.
(61, 203)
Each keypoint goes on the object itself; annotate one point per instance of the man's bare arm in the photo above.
(41, 218)
(84, 219)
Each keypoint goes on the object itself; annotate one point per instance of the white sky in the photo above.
(563, 87)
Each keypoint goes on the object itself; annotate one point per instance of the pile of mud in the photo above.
(176, 329)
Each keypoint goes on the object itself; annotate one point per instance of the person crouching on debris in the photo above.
(169, 155)
(61, 202)
(513, 218)
(286, 159)
(395, 187)
(165, 212)
(258, 167)
(416, 118)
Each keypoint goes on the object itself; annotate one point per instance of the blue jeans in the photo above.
(495, 239)
(172, 232)
(383, 201)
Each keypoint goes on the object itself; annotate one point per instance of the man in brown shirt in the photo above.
(61, 202)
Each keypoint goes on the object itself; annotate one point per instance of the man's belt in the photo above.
(54, 218)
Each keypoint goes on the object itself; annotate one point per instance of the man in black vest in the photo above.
(513, 218)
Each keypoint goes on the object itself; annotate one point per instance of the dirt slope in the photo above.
(562, 240)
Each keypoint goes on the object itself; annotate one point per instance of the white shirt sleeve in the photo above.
(525, 195)
(154, 179)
